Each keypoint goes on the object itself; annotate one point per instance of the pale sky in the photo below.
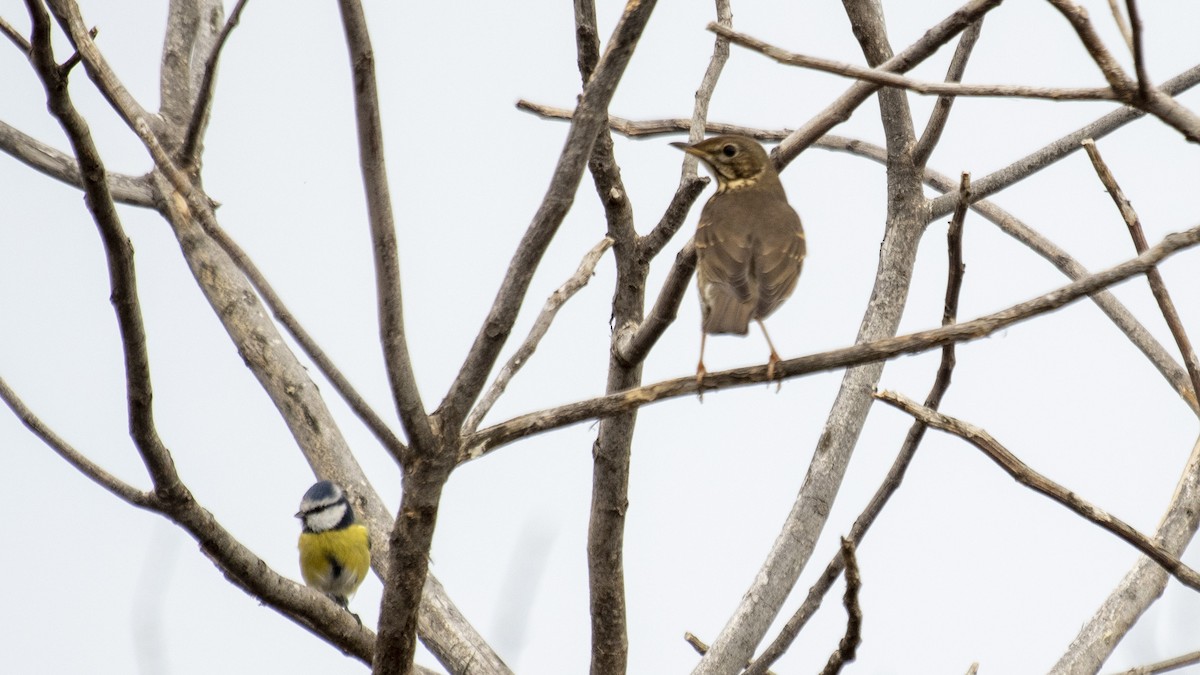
(964, 565)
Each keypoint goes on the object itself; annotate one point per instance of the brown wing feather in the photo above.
(778, 257)
(723, 272)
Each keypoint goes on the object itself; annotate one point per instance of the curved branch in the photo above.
(87, 467)
(840, 110)
(480, 443)
(383, 234)
(189, 152)
(885, 78)
(1023, 474)
(557, 299)
(131, 190)
(1142, 585)
(590, 115)
(941, 110)
(121, 271)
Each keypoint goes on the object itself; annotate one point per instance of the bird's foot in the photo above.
(771, 371)
(701, 371)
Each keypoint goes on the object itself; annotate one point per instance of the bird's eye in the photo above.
(729, 150)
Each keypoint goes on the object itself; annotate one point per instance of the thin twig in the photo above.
(1114, 6)
(1157, 286)
(661, 127)
(1142, 585)
(912, 440)
(73, 59)
(701, 647)
(398, 364)
(847, 649)
(840, 109)
(1140, 94)
(941, 109)
(125, 189)
(1139, 54)
(1078, 18)
(886, 78)
(1165, 666)
(191, 138)
(1026, 476)
(708, 83)
(73, 457)
(487, 439)
(109, 86)
(383, 433)
(633, 345)
(119, 251)
(557, 299)
(590, 116)
(15, 36)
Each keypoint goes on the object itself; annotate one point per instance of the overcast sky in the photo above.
(963, 566)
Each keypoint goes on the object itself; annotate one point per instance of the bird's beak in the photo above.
(689, 149)
(299, 514)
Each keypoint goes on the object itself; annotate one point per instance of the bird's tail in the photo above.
(724, 313)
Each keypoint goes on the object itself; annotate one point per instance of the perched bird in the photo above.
(335, 551)
(749, 244)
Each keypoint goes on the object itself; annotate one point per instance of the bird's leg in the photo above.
(773, 359)
(701, 371)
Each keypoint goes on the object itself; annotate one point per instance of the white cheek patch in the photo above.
(325, 519)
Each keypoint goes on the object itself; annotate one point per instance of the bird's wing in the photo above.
(778, 257)
(723, 273)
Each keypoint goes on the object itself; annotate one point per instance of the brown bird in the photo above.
(749, 244)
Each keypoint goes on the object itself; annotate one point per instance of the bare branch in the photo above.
(1166, 666)
(590, 116)
(634, 344)
(1139, 54)
(701, 647)
(847, 649)
(1157, 286)
(1138, 335)
(132, 190)
(1142, 585)
(912, 440)
(68, 16)
(708, 83)
(642, 128)
(1026, 476)
(1175, 375)
(305, 606)
(1122, 26)
(885, 78)
(73, 457)
(906, 218)
(121, 271)
(485, 440)
(15, 37)
(941, 110)
(383, 235)
(840, 110)
(383, 433)
(614, 441)
(1030, 164)
(557, 299)
(1078, 18)
(200, 110)
(1140, 94)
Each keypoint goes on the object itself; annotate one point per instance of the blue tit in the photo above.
(335, 551)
